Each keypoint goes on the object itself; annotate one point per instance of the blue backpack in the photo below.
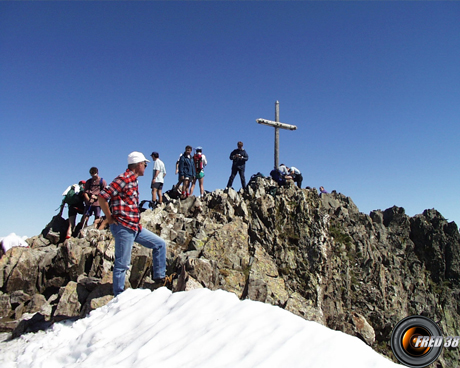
(278, 176)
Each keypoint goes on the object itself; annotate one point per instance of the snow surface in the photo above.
(198, 328)
(13, 240)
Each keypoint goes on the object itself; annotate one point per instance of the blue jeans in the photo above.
(124, 240)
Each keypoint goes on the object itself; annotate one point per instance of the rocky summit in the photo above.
(315, 256)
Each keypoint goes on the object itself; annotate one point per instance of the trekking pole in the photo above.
(86, 218)
(61, 208)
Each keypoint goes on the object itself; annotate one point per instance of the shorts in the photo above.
(74, 210)
(200, 175)
(158, 186)
(94, 210)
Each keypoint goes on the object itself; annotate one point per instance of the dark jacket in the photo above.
(186, 166)
(239, 157)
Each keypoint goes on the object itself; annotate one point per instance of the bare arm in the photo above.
(106, 209)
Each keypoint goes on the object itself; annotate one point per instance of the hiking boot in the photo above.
(166, 281)
(154, 284)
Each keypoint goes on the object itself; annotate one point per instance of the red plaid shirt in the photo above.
(123, 193)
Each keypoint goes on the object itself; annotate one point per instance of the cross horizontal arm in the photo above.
(276, 124)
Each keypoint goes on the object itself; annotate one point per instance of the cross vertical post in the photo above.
(277, 125)
(277, 133)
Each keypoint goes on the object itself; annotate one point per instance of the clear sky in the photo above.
(373, 88)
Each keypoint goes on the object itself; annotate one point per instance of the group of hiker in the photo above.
(82, 198)
(119, 201)
(190, 170)
(284, 173)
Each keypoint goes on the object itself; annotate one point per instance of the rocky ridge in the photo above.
(316, 256)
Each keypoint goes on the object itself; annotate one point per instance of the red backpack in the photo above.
(198, 160)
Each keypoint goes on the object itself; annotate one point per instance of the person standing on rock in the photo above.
(93, 186)
(123, 216)
(159, 173)
(239, 157)
(200, 162)
(186, 171)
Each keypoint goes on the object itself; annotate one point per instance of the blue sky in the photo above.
(373, 88)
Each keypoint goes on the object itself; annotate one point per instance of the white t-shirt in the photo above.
(283, 169)
(160, 166)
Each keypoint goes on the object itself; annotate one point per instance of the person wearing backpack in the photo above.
(73, 197)
(93, 187)
(200, 162)
(239, 157)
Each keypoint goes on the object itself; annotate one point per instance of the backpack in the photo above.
(141, 205)
(254, 177)
(56, 229)
(100, 183)
(278, 176)
(72, 195)
(172, 193)
(198, 160)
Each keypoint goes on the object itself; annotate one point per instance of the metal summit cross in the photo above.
(277, 125)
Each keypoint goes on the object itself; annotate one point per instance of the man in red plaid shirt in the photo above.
(123, 215)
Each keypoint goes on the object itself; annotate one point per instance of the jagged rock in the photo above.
(89, 283)
(100, 292)
(141, 265)
(265, 283)
(304, 308)
(363, 328)
(18, 270)
(5, 306)
(99, 302)
(19, 297)
(56, 230)
(204, 270)
(229, 246)
(71, 301)
(192, 284)
(78, 255)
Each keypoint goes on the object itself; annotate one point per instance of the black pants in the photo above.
(298, 179)
(236, 170)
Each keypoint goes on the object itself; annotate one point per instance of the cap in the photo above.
(155, 154)
(136, 157)
(199, 148)
(82, 182)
